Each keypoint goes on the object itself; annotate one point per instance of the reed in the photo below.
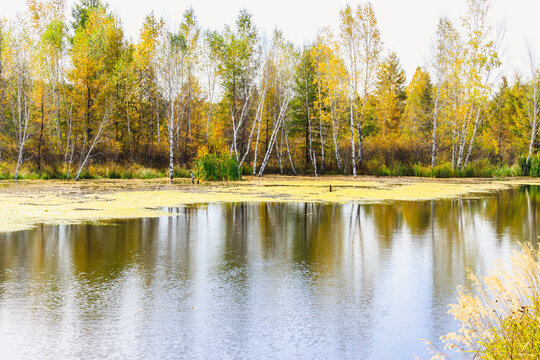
(500, 314)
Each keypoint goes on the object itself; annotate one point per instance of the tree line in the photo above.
(75, 92)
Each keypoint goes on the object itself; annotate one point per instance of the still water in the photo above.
(253, 281)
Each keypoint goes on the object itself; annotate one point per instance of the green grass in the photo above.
(216, 166)
(479, 169)
(223, 166)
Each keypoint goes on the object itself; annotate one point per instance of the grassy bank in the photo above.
(26, 203)
(224, 167)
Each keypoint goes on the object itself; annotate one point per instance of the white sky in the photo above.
(406, 25)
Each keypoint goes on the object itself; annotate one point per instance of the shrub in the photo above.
(499, 315)
(507, 171)
(145, 173)
(524, 166)
(442, 171)
(127, 174)
(531, 168)
(534, 164)
(247, 169)
(113, 174)
(382, 171)
(180, 172)
(389, 150)
(85, 175)
(216, 166)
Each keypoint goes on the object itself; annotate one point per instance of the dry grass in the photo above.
(500, 316)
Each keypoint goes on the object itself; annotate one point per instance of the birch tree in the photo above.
(190, 32)
(331, 79)
(96, 139)
(47, 21)
(481, 59)
(370, 49)
(145, 58)
(285, 58)
(239, 54)
(210, 69)
(439, 64)
(20, 77)
(533, 99)
(169, 65)
(350, 38)
(2, 79)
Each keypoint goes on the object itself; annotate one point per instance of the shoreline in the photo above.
(27, 203)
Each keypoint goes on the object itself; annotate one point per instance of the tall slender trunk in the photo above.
(258, 120)
(434, 133)
(454, 147)
(273, 137)
(88, 113)
(307, 149)
(279, 151)
(22, 123)
(129, 130)
(41, 131)
(534, 117)
(321, 126)
(171, 140)
(208, 116)
(308, 115)
(289, 152)
(473, 137)
(256, 147)
(157, 125)
(462, 136)
(353, 152)
(531, 141)
(95, 141)
(68, 140)
(334, 134)
(187, 135)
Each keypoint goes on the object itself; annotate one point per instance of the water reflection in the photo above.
(312, 281)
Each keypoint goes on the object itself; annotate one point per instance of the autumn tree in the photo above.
(351, 39)
(370, 50)
(190, 32)
(147, 94)
(417, 116)
(480, 60)
(210, 69)
(94, 56)
(170, 66)
(332, 85)
(285, 59)
(49, 30)
(533, 100)
(444, 51)
(20, 81)
(390, 95)
(239, 54)
(305, 88)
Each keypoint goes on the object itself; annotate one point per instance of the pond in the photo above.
(254, 281)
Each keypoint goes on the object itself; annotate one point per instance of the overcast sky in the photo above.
(406, 25)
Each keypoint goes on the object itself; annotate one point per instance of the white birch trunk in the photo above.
(95, 141)
(353, 152)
